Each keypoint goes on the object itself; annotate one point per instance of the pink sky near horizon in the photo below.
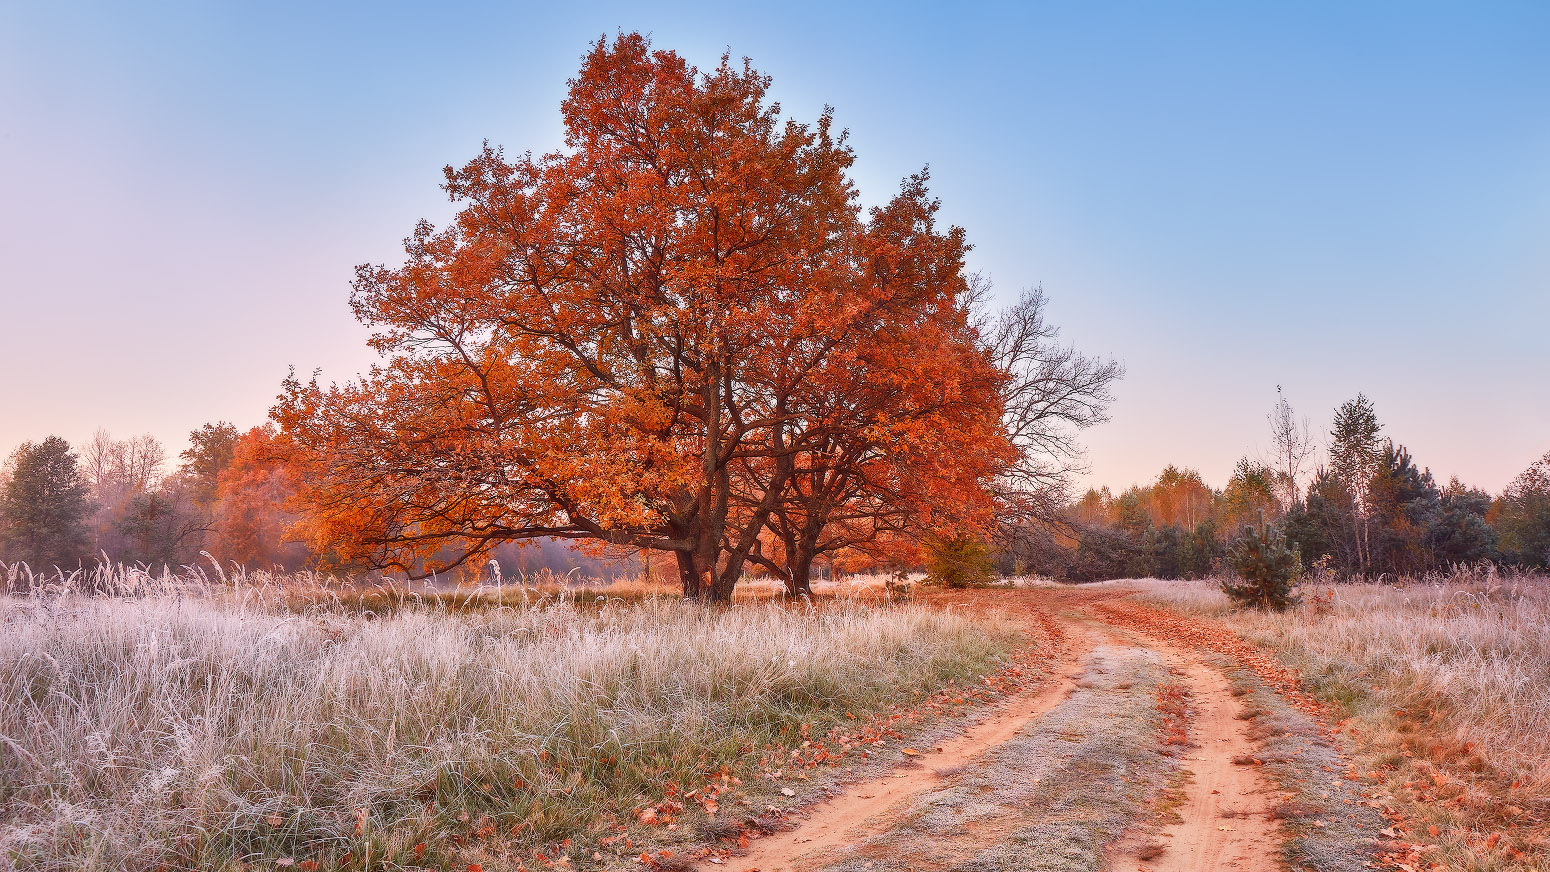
(1223, 201)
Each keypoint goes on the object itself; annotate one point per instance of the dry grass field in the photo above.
(259, 722)
(231, 725)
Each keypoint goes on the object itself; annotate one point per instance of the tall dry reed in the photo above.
(212, 728)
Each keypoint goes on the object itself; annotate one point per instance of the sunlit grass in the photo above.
(244, 722)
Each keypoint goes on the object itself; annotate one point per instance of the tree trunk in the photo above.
(711, 570)
(801, 558)
(722, 585)
(799, 572)
(704, 580)
(686, 574)
(698, 567)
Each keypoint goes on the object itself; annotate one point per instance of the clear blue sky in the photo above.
(1330, 197)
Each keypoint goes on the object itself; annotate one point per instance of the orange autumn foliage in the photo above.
(250, 524)
(667, 334)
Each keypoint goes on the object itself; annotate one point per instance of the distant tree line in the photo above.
(60, 506)
(1367, 510)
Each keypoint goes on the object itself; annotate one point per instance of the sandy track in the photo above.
(1226, 822)
(1226, 813)
(845, 817)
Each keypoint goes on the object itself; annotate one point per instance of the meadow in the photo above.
(235, 723)
(257, 721)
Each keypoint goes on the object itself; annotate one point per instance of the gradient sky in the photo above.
(1330, 197)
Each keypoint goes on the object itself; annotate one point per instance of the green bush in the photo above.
(959, 561)
(1265, 569)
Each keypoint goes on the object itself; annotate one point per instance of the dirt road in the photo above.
(848, 815)
(1137, 756)
(1225, 818)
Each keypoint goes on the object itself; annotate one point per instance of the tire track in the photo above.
(852, 815)
(1226, 816)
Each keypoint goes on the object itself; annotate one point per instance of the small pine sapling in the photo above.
(1264, 569)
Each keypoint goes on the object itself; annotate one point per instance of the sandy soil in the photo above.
(851, 815)
(1225, 811)
(1226, 814)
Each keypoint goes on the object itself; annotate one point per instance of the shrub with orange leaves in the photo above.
(251, 521)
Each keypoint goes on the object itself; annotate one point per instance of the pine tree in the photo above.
(43, 506)
(1523, 516)
(1354, 453)
(210, 450)
(1265, 569)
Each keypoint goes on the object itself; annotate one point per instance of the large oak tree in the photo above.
(645, 338)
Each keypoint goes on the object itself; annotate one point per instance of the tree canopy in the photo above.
(672, 331)
(43, 506)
